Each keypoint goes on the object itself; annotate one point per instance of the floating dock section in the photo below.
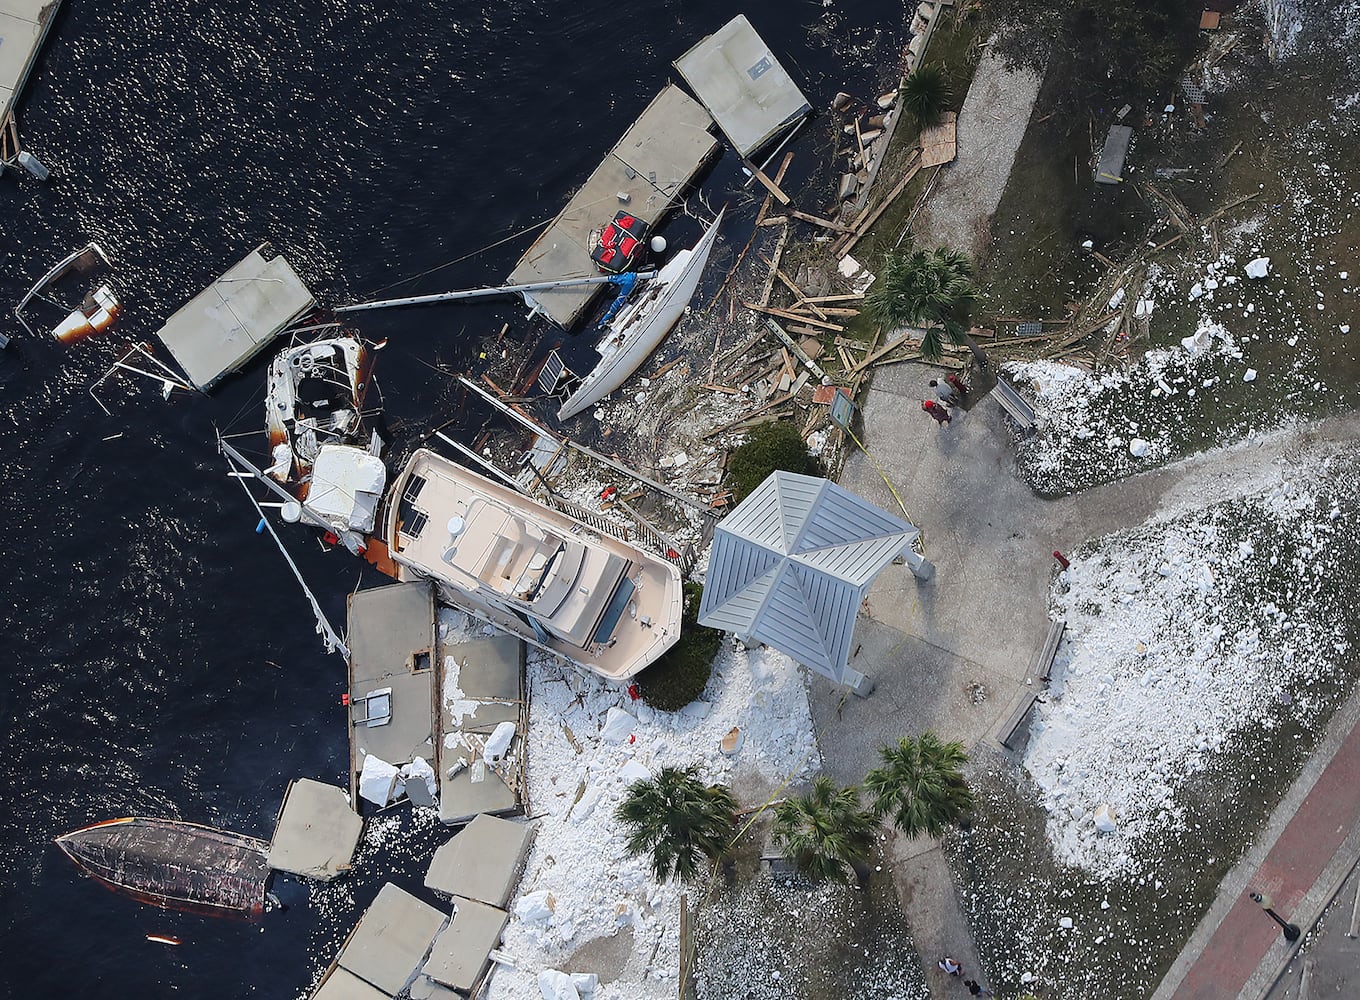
(646, 173)
(742, 85)
(23, 27)
(481, 687)
(219, 330)
(392, 636)
(316, 833)
(405, 947)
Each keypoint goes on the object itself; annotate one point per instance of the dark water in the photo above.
(159, 658)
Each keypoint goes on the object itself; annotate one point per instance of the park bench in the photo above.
(1016, 408)
(1043, 669)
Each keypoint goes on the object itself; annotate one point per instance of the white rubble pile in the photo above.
(1180, 634)
(579, 884)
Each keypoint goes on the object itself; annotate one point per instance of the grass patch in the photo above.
(682, 673)
(788, 938)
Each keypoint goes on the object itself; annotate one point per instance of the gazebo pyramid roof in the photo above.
(790, 565)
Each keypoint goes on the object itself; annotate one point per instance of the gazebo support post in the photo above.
(921, 567)
(858, 684)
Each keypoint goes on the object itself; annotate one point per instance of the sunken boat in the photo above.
(174, 865)
(533, 571)
(78, 286)
(315, 397)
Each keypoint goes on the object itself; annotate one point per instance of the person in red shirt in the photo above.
(936, 410)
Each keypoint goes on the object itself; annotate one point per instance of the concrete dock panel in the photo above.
(23, 26)
(657, 158)
(1111, 169)
(391, 940)
(483, 861)
(317, 831)
(343, 985)
(491, 678)
(222, 327)
(392, 636)
(743, 86)
(461, 953)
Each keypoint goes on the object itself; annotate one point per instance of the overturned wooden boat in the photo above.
(94, 312)
(174, 865)
(631, 336)
(314, 397)
(533, 571)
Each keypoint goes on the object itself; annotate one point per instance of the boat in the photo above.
(174, 865)
(314, 398)
(533, 571)
(94, 312)
(638, 329)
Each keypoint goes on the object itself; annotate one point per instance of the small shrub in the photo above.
(682, 672)
(925, 93)
(771, 447)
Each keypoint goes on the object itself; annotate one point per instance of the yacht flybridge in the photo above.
(532, 570)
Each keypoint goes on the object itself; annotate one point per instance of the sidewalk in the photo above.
(1301, 859)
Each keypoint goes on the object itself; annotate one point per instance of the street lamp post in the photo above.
(1291, 931)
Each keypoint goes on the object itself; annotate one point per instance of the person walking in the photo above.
(950, 966)
(936, 410)
(973, 988)
(949, 395)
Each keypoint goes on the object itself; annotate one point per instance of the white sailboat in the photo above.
(639, 328)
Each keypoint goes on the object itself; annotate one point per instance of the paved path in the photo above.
(991, 125)
(1301, 859)
(955, 654)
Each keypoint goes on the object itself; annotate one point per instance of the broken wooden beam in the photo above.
(770, 185)
(835, 227)
(785, 314)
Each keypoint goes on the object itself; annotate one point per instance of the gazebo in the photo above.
(790, 566)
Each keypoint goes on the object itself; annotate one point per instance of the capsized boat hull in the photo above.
(641, 328)
(174, 865)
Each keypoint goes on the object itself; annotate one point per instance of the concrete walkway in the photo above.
(955, 654)
(991, 124)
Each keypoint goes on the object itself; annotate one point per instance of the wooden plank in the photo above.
(835, 227)
(939, 143)
(768, 288)
(855, 297)
(770, 185)
(864, 224)
(778, 179)
(873, 356)
(785, 314)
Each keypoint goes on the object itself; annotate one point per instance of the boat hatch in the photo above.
(614, 611)
(374, 708)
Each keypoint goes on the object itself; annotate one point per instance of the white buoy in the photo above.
(291, 512)
(658, 244)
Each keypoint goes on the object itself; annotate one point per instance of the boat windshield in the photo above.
(614, 611)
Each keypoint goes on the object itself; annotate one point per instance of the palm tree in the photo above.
(678, 820)
(826, 832)
(927, 288)
(924, 94)
(921, 783)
